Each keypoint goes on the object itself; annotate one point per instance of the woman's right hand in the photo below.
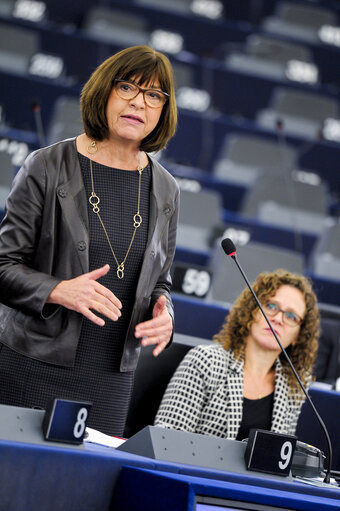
(84, 293)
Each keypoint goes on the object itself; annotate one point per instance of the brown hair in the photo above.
(238, 322)
(138, 62)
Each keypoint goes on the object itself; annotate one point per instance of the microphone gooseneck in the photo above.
(36, 108)
(230, 249)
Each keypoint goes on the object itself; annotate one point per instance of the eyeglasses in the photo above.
(289, 317)
(152, 97)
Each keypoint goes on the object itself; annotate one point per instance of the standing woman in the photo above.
(244, 381)
(86, 247)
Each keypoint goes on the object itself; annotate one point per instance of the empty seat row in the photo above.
(117, 25)
(205, 88)
(201, 222)
(236, 151)
(220, 282)
(238, 158)
(301, 21)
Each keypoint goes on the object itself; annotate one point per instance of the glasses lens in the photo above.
(272, 309)
(291, 318)
(154, 98)
(288, 316)
(126, 90)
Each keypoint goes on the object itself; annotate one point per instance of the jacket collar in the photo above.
(160, 205)
(73, 200)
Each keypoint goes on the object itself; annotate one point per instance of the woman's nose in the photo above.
(138, 100)
(278, 318)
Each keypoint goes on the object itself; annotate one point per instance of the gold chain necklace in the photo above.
(261, 386)
(259, 392)
(94, 200)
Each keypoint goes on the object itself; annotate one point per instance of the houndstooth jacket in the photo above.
(205, 395)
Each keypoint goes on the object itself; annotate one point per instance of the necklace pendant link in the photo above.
(92, 147)
(137, 220)
(120, 271)
(94, 200)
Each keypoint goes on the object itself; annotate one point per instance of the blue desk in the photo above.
(43, 477)
(160, 491)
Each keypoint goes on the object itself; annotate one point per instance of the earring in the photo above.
(92, 148)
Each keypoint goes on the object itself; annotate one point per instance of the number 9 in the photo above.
(286, 453)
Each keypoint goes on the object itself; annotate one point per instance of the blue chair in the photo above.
(327, 403)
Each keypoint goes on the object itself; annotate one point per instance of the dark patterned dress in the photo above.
(95, 376)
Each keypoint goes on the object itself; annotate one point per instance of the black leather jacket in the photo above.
(44, 239)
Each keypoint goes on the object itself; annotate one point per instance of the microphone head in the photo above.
(228, 247)
(279, 124)
(35, 105)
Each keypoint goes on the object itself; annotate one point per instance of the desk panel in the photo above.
(157, 491)
(41, 477)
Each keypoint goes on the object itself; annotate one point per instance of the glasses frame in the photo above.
(270, 313)
(143, 91)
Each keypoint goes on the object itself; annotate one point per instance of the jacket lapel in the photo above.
(160, 210)
(73, 201)
(280, 400)
(235, 399)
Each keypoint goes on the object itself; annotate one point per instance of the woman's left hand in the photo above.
(157, 330)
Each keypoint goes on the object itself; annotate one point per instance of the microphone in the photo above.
(38, 122)
(230, 249)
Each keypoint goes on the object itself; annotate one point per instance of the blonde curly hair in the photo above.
(238, 322)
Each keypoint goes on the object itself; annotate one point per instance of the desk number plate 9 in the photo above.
(269, 452)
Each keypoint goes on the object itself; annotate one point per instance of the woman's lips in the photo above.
(269, 330)
(133, 119)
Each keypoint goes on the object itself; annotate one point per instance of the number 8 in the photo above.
(286, 453)
(79, 426)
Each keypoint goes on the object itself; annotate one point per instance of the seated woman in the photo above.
(244, 381)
